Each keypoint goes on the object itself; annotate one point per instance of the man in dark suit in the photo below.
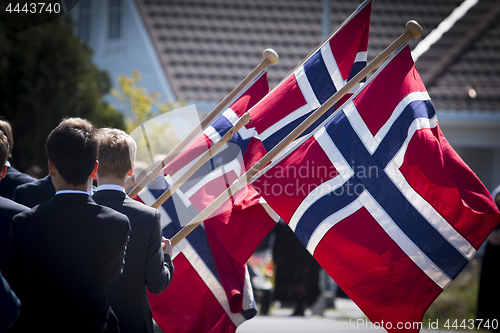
(8, 208)
(35, 193)
(146, 264)
(64, 253)
(14, 177)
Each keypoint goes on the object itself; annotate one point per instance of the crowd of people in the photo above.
(75, 257)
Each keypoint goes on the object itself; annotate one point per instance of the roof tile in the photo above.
(208, 46)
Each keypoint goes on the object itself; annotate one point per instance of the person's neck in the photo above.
(60, 184)
(67, 186)
(111, 181)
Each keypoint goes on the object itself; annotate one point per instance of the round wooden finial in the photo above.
(271, 55)
(414, 28)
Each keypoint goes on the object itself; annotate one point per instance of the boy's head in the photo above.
(4, 153)
(116, 153)
(7, 130)
(72, 148)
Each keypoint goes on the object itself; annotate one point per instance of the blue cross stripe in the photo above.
(197, 238)
(319, 78)
(382, 189)
(323, 88)
(389, 146)
(356, 68)
(222, 125)
(280, 134)
(232, 152)
(237, 147)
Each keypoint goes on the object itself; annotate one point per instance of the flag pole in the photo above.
(270, 58)
(242, 121)
(413, 29)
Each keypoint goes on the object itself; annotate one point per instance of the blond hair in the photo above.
(116, 153)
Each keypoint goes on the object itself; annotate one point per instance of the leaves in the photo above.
(140, 104)
(47, 74)
(142, 107)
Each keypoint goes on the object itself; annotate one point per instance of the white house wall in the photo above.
(476, 138)
(134, 50)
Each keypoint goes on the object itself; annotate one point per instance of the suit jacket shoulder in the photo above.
(13, 179)
(120, 202)
(8, 209)
(8, 206)
(34, 193)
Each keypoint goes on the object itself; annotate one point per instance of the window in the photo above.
(114, 19)
(84, 20)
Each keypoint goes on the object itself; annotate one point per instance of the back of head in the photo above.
(116, 154)
(7, 130)
(4, 149)
(72, 147)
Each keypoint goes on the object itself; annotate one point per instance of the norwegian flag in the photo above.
(320, 76)
(381, 200)
(211, 290)
(214, 255)
(273, 116)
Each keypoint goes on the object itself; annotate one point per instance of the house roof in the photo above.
(208, 46)
(462, 70)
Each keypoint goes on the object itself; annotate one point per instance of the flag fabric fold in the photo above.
(381, 200)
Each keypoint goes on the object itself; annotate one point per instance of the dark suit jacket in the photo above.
(34, 193)
(145, 263)
(8, 209)
(62, 256)
(13, 179)
(9, 305)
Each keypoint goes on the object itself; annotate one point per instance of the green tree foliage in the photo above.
(143, 109)
(46, 74)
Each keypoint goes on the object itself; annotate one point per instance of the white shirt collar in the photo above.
(111, 187)
(70, 191)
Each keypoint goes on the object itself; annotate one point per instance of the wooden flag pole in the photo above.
(244, 119)
(270, 58)
(413, 29)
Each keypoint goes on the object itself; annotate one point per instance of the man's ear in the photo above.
(3, 172)
(93, 175)
(52, 168)
(130, 172)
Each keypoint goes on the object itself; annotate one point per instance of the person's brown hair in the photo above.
(7, 130)
(72, 147)
(116, 153)
(4, 149)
